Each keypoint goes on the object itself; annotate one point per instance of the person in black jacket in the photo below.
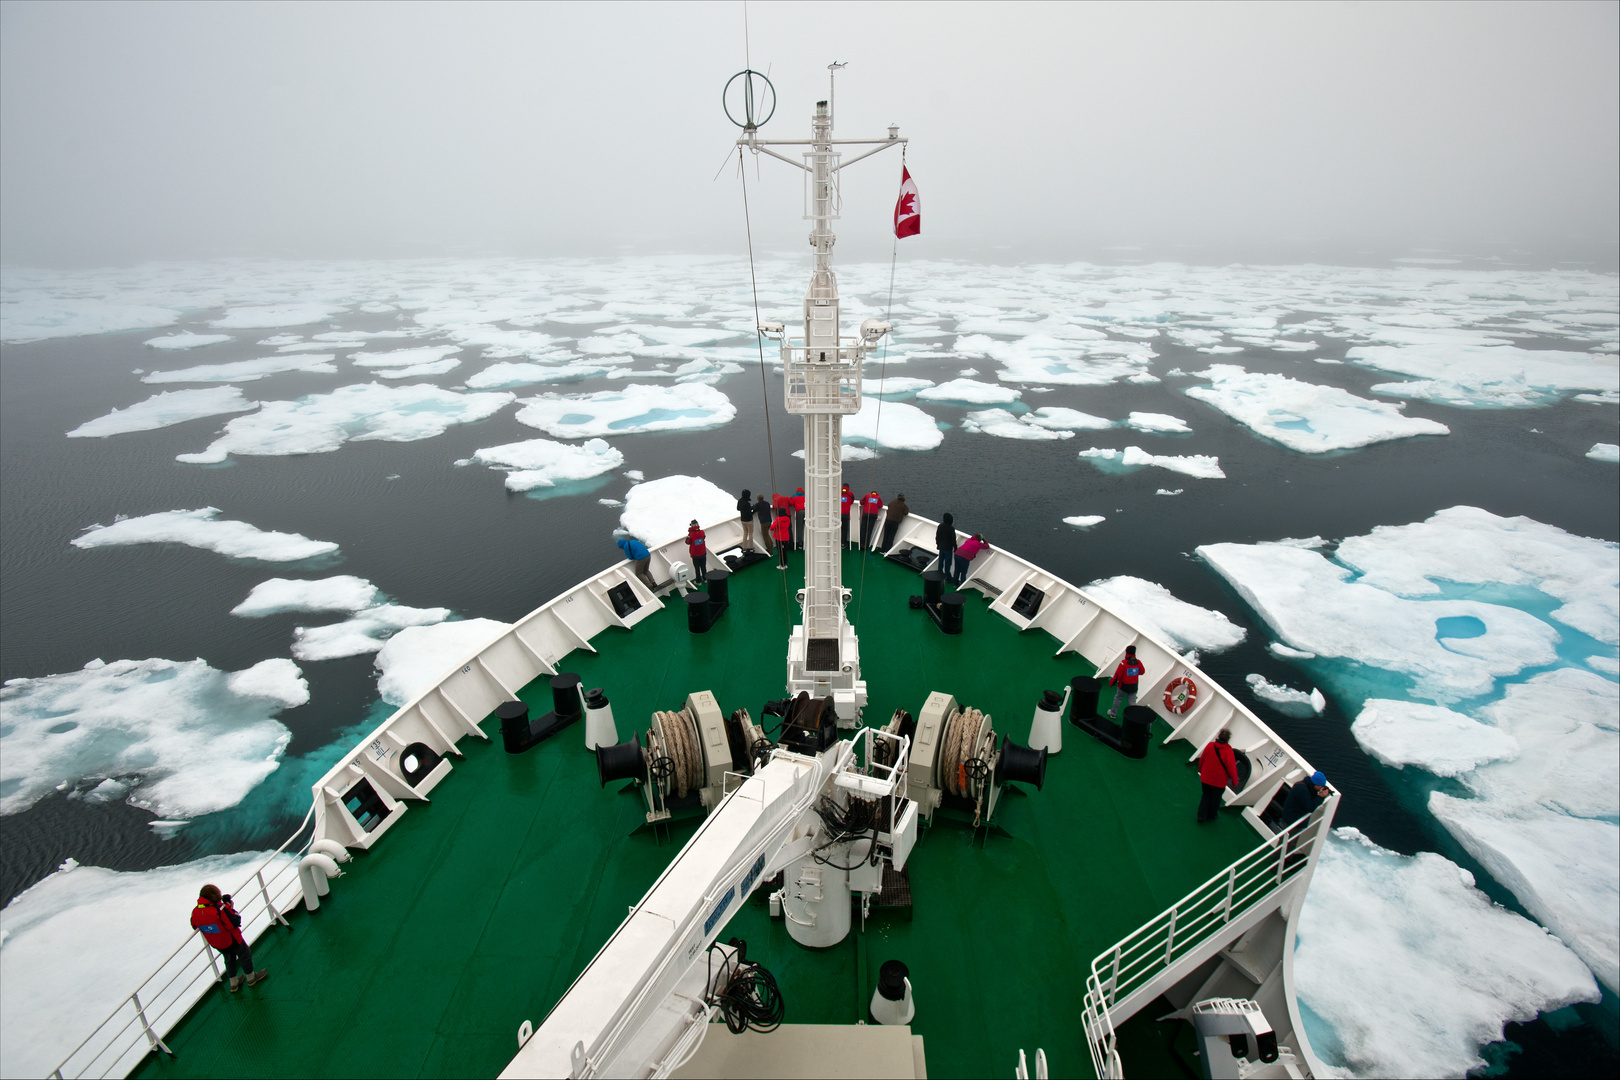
(1304, 797)
(945, 541)
(762, 514)
(745, 511)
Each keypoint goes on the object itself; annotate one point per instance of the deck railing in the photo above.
(1179, 933)
(136, 1026)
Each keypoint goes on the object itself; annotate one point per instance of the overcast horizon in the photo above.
(1203, 133)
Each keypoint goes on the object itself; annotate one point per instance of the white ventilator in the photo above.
(1046, 729)
(600, 730)
(823, 376)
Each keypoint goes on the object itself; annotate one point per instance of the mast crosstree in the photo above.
(822, 372)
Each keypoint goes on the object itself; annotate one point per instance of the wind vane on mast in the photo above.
(822, 370)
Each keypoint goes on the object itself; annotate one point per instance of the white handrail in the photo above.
(146, 1028)
(1177, 933)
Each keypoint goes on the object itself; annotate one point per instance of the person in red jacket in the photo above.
(782, 533)
(798, 519)
(697, 542)
(1217, 768)
(221, 927)
(871, 507)
(1130, 669)
(845, 501)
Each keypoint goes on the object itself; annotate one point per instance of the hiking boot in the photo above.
(258, 976)
(236, 982)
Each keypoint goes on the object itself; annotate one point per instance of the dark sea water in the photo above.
(429, 533)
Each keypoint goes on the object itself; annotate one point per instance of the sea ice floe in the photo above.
(1312, 605)
(40, 317)
(206, 530)
(363, 632)
(263, 316)
(1042, 358)
(424, 370)
(245, 370)
(188, 738)
(1413, 968)
(1472, 546)
(1085, 521)
(1469, 369)
(893, 425)
(1304, 416)
(1438, 740)
(404, 359)
(894, 386)
(1004, 425)
(969, 392)
(657, 511)
(187, 339)
(164, 410)
(1604, 451)
(634, 408)
(321, 423)
(1156, 610)
(1157, 423)
(343, 592)
(1283, 652)
(1198, 466)
(848, 452)
(541, 463)
(1060, 419)
(70, 988)
(419, 656)
(1285, 699)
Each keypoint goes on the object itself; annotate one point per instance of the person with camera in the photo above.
(216, 919)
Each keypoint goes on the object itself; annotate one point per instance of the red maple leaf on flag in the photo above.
(908, 210)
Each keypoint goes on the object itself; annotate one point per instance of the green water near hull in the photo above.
(477, 910)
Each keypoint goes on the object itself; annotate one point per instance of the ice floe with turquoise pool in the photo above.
(506, 374)
(206, 530)
(1403, 967)
(166, 409)
(634, 408)
(1198, 466)
(72, 988)
(1304, 416)
(322, 423)
(178, 738)
(1526, 722)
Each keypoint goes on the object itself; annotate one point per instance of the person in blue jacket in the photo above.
(1304, 798)
(640, 558)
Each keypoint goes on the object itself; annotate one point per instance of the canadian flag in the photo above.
(908, 211)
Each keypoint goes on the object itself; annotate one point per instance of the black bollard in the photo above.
(1137, 729)
(565, 696)
(933, 587)
(699, 616)
(719, 593)
(1083, 694)
(514, 717)
(950, 612)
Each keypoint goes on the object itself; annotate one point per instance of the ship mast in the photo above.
(822, 371)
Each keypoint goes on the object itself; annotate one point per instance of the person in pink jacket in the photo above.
(964, 555)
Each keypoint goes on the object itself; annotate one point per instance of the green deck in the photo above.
(476, 911)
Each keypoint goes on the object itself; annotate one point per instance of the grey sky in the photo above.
(132, 131)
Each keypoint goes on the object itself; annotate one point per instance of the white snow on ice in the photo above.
(1283, 652)
(1414, 968)
(541, 463)
(1085, 521)
(1436, 739)
(364, 632)
(245, 370)
(634, 408)
(657, 511)
(205, 529)
(1157, 423)
(321, 423)
(903, 426)
(417, 657)
(188, 739)
(255, 317)
(1198, 466)
(187, 339)
(343, 592)
(1005, 425)
(1285, 699)
(1060, 419)
(165, 409)
(894, 386)
(70, 988)
(969, 392)
(1156, 610)
(1304, 416)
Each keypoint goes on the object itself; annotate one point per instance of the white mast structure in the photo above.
(823, 384)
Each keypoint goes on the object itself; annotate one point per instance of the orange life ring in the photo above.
(1180, 695)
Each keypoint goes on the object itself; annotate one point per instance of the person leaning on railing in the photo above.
(216, 919)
